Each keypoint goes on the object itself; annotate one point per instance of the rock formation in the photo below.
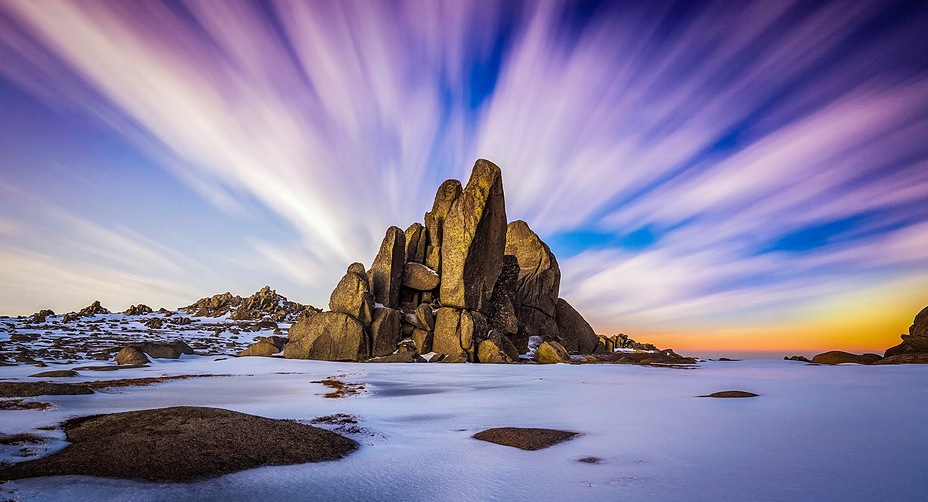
(914, 346)
(840, 357)
(463, 284)
(537, 286)
(140, 309)
(266, 303)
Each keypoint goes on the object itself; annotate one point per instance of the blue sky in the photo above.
(699, 168)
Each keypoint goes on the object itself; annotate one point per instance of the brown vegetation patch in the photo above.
(20, 404)
(180, 444)
(525, 438)
(30, 389)
(21, 439)
(336, 419)
(339, 388)
(731, 394)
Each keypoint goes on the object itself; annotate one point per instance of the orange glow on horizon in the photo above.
(866, 321)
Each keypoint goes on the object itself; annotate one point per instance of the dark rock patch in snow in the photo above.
(55, 374)
(525, 438)
(30, 389)
(182, 443)
(841, 357)
(731, 394)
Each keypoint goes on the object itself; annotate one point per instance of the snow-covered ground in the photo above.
(814, 433)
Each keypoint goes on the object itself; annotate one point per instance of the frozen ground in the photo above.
(101, 336)
(815, 432)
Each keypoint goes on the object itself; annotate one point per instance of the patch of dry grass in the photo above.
(339, 388)
(20, 404)
(21, 439)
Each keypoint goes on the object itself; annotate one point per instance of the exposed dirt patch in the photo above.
(30, 389)
(110, 368)
(590, 460)
(339, 388)
(20, 404)
(139, 382)
(731, 394)
(55, 374)
(180, 444)
(525, 438)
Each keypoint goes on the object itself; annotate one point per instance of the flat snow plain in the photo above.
(815, 432)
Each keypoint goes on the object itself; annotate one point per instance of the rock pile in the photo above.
(914, 346)
(266, 303)
(89, 311)
(140, 309)
(912, 350)
(464, 285)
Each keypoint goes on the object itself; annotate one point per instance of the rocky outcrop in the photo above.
(919, 326)
(419, 277)
(131, 356)
(448, 192)
(416, 243)
(840, 357)
(140, 309)
(449, 338)
(473, 240)
(574, 333)
(352, 295)
(551, 353)
(914, 346)
(465, 285)
(265, 303)
(161, 350)
(385, 331)
(89, 311)
(386, 273)
(328, 336)
(155, 323)
(265, 347)
(501, 311)
(214, 306)
(909, 358)
(39, 317)
(497, 349)
(537, 285)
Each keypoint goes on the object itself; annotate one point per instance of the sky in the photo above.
(739, 175)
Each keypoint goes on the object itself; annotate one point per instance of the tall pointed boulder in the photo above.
(473, 239)
(386, 272)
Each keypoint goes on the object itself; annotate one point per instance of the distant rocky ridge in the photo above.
(266, 303)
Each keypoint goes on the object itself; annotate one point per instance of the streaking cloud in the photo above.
(711, 165)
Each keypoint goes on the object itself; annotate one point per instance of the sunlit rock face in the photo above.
(914, 346)
(464, 284)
